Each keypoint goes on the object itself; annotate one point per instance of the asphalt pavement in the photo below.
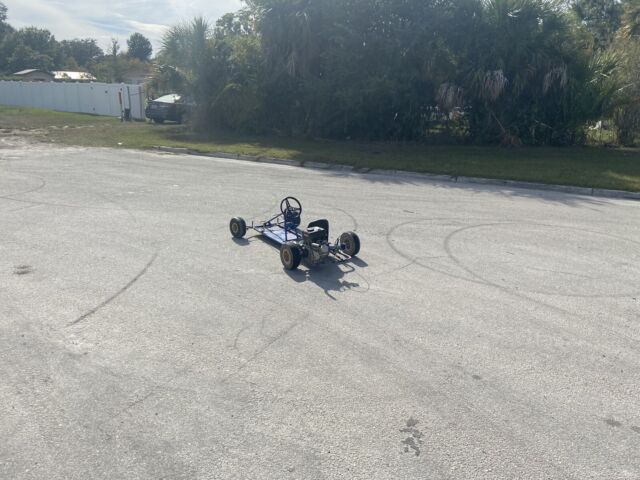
(482, 333)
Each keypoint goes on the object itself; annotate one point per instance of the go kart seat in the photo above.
(323, 224)
(292, 218)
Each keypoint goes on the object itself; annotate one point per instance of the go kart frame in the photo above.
(311, 244)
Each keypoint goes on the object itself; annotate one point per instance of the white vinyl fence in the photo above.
(96, 98)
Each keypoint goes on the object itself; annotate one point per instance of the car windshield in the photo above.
(171, 98)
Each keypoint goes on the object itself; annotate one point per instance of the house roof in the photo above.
(67, 75)
(31, 70)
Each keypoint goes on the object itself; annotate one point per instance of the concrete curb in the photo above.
(529, 185)
(185, 151)
(320, 165)
(280, 161)
(591, 192)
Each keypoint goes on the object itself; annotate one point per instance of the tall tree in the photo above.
(187, 51)
(5, 31)
(139, 47)
(31, 47)
(626, 115)
(489, 71)
(4, 26)
(525, 78)
(39, 40)
(115, 67)
(82, 50)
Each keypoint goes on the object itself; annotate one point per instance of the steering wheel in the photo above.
(291, 207)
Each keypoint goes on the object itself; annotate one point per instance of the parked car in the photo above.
(171, 107)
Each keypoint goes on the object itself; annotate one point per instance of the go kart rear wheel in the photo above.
(290, 255)
(350, 243)
(238, 227)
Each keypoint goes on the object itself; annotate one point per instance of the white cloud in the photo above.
(106, 19)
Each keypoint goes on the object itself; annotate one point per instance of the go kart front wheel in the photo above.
(238, 227)
(350, 243)
(290, 256)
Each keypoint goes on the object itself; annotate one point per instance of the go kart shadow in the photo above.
(358, 262)
(330, 277)
(243, 242)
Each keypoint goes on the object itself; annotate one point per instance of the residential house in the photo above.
(34, 75)
(66, 76)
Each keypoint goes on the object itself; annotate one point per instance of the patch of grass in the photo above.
(580, 166)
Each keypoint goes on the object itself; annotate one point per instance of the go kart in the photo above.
(296, 244)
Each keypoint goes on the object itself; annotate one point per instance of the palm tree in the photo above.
(287, 31)
(185, 63)
(186, 50)
(521, 63)
(627, 114)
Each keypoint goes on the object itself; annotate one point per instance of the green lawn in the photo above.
(581, 166)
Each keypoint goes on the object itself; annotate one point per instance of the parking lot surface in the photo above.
(483, 333)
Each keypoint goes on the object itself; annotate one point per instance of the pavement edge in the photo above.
(592, 192)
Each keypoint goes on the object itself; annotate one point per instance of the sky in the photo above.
(106, 19)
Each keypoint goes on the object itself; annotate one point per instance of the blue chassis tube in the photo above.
(281, 232)
(278, 230)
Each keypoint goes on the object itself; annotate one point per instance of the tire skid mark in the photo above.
(24, 192)
(239, 334)
(88, 207)
(52, 204)
(156, 388)
(575, 316)
(260, 325)
(450, 254)
(153, 389)
(365, 289)
(259, 352)
(353, 219)
(480, 281)
(475, 277)
(394, 270)
(18, 209)
(117, 294)
(416, 260)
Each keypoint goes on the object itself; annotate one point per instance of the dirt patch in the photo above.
(17, 132)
